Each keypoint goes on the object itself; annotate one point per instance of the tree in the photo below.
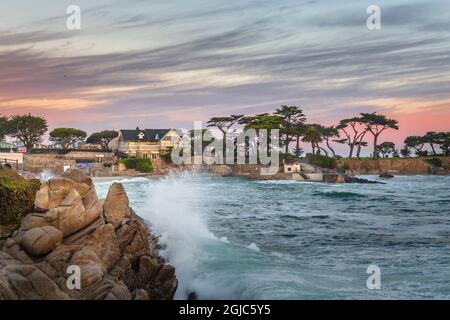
(377, 124)
(323, 131)
(354, 130)
(27, 128)
(360, 144)
(3, 127)
(432, 138)
(259, 122)
(67, 137)
(290, 118)
(313, 136)
(103, 137)
(415, 142)
(405, 152)
(444, 142)
(329, 133)
(298, 151)
(224, 123)
(262, 121)
(386, 148)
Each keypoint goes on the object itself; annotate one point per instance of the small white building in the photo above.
(292, 167)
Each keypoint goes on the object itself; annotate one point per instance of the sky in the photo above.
(159, 64)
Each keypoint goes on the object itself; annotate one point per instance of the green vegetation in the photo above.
(289, 157)
(433, 139)
(67, 137)
(3, 127)
(376, 124)
(321, 161)
(27, 128)
(103, 137)
(16, 197)
(386, 148)
(143, 165)
(291, 123)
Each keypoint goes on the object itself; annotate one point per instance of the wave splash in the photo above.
(172, 211)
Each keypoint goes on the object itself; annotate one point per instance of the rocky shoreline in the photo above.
(75, 246)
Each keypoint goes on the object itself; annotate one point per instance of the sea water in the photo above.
(234, 238)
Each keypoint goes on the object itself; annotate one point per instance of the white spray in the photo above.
(173, 211)
(46, 175)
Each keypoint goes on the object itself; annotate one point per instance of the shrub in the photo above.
(140, 164)
(434, 161)
(288, 157)
(16, 199)
(321, 161)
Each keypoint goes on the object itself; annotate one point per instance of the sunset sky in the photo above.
(166, 63)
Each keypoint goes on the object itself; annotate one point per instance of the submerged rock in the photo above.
(349, 179)
(106, 241)
(222, 170)
(386, 175)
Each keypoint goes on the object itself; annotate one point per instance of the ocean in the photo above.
(234, 238)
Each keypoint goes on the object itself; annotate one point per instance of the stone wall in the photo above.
(56, 162)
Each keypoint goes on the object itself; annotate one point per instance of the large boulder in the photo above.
(40, 241)
(29, 283)
(77, 176)
(106, 240)
(116, 207)
(221, 169)
(53, 192)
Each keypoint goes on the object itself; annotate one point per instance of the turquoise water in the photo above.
(234, 238)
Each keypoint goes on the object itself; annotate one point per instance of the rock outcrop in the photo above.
(74, 233)
(220, 169)
(350, 179)
(386, 175)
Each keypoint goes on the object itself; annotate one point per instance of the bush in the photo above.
(321, 161)
(140, 164)
(288, 157)
(16, 199)
(434, 161)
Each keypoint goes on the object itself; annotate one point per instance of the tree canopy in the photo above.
(312, 135)
(224, 123)
(67, 137)
(386, 148)
(103, 137)
(377, 124)
(27, 128)
(3, 127)
(354, 129)
(292, 120)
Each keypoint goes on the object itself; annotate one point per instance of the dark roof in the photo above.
(150, 135)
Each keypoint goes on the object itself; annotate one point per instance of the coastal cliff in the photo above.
(72, 231)
(398, 165)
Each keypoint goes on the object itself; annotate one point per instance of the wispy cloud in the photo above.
(158, 61)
